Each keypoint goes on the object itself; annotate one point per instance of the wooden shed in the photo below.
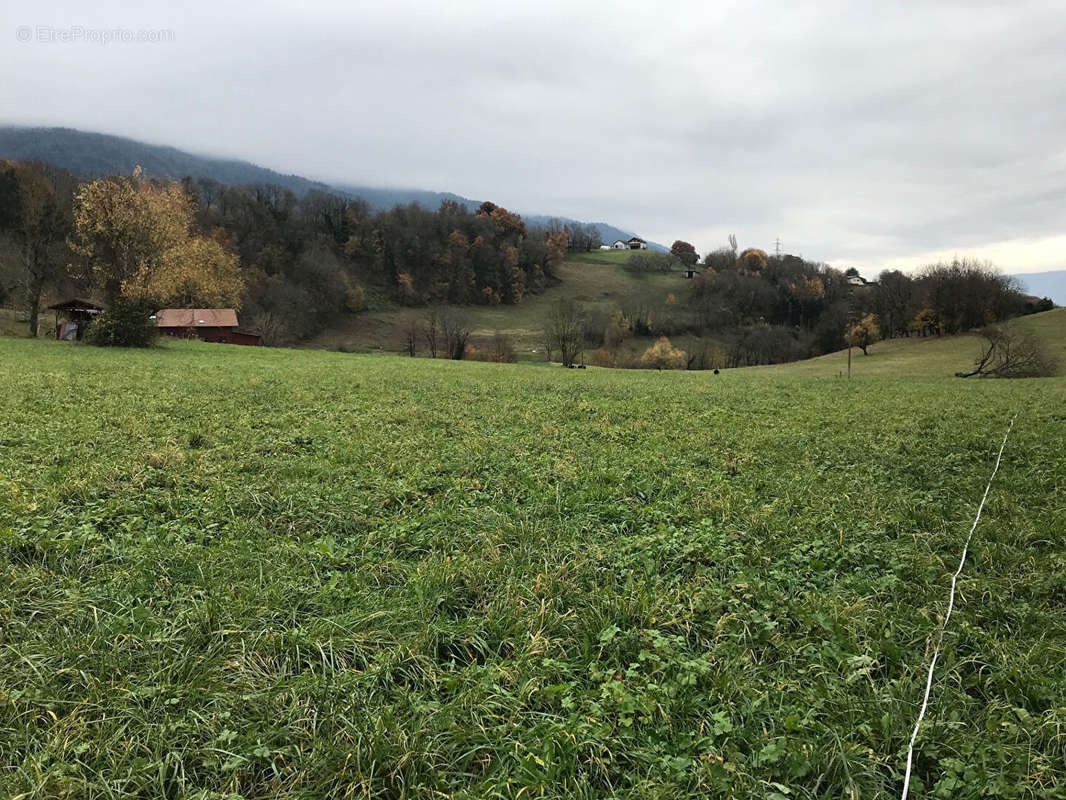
(73, 318)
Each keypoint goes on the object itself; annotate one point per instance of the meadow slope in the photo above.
(933, 356)
(597, 281)
(235, 572)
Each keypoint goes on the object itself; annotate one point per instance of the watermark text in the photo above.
(83, 34)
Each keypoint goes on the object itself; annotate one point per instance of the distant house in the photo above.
(73, 318)
(690, 272)
(620, 244)
(854, 278)
(636, 243)
(205, 324)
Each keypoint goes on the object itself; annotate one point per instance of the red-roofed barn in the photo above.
(205, 324)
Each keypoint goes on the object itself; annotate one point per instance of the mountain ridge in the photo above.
(1045, 284)
(91, 154)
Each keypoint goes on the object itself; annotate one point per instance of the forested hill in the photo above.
(94, 155)
(97, 154)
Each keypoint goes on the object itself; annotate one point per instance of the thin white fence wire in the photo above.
(947, 617)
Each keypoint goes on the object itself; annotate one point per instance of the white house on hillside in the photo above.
(620, 245)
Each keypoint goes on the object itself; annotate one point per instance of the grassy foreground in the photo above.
(231, 572)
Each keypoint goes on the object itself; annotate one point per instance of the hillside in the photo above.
(924, 357)
(336, 575)
(598, 282)
(595, 280)
(95, 154)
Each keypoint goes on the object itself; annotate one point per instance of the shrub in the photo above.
(616, 331)
(1031, 306)
(602, 358)
(128, 323)
(766, 344)
(924, 323)
(499, 351)
(596, 323)
(622, 358)
(663, 355)
(649, 261)
(355, 299)
(709, 356)
(720, 259)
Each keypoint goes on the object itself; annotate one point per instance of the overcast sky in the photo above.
(875, 134)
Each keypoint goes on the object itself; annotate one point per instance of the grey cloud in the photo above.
(856, 131)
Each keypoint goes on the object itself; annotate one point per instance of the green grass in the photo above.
(925, 357)
(237, 572)
(13, 323)
(609, 257)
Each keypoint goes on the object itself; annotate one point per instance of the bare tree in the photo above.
(431, 330)
(1008, 352)
(548, 344)
(455, 330)
(502, 348)
(411, 335)
(565, 330)
(273, 329)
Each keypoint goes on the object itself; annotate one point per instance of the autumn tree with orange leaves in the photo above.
(753, 260)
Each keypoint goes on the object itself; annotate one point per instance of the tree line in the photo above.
(297, 264)
(763, 309)
(308, 260)
(292, 264)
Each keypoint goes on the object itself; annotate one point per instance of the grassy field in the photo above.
(233, 572)
(13, 323)
(612, 257)
(929, 357)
